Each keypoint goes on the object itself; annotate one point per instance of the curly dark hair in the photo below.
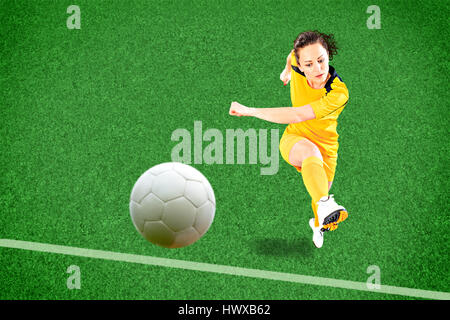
(310, 37)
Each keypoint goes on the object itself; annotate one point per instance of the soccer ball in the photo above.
(172, 205)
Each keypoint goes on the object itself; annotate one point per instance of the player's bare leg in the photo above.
(302, 150)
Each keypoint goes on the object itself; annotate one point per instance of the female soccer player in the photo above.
(310, 141)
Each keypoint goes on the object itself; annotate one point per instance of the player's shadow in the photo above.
(284, 248)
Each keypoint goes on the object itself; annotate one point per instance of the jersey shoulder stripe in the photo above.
(333, 76)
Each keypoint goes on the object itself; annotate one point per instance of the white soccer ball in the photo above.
(172, 205)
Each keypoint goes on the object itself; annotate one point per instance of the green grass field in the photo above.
(85, 112)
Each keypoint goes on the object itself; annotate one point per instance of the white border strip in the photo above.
(222, 269)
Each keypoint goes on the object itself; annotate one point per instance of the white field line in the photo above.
(222, 269)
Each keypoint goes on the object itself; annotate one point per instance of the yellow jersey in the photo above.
(327, 104)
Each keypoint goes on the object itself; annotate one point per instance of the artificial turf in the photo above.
(85, 112)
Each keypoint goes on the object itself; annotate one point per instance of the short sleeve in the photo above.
(334, 100)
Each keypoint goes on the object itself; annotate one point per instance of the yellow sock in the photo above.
(314, 207)
(315, 180)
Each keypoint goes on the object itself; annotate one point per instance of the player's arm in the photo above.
(288, 61)
(285, 75)
(277, 115)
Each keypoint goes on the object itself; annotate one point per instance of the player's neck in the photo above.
(318, 85)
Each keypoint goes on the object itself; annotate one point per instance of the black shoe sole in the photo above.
(332, 217)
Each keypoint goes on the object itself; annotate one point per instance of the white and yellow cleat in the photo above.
(317, 233)
(330, 213)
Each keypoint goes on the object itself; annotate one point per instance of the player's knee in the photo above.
(312, 151)
(303, 150)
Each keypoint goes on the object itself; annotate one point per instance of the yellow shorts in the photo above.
(288, 140)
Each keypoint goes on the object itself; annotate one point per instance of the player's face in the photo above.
(314, 62)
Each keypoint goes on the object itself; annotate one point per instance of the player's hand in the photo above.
(237, 109)
(285, 76)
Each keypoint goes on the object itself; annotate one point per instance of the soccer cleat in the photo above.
(330, 213)
(317, 234)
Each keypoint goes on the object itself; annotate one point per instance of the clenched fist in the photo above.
(285, 76)
(240, 110)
